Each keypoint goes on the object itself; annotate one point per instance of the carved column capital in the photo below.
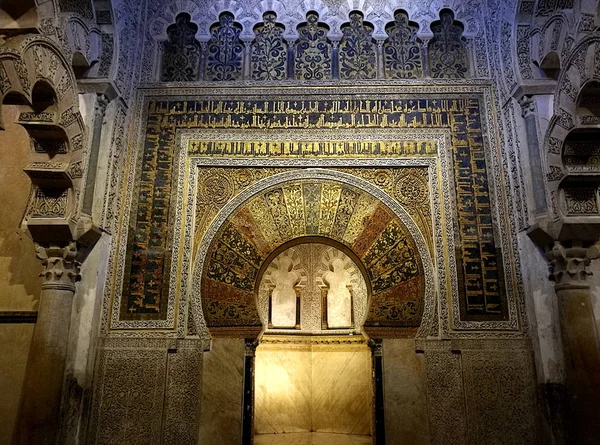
(61, 267)
(569, 266)
(250, 346)
(102, 102)
(527, 106)
(376, 346)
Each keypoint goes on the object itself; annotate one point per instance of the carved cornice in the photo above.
(61, 267)
(569, 266)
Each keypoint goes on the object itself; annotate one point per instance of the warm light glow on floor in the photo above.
(304, 387)
(311, 439)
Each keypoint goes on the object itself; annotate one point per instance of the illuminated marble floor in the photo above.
(311, 439)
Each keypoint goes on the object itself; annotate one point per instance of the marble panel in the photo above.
(14, 350)
(342, 389)
(283, 382)
(222, 389)
(405, 393)
(312, 439)
(303, 387)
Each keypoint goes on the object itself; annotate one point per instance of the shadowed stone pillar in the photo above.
(41, 397)
(569, 270)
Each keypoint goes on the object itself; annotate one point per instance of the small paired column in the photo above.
(248, 415)
(569, 268)
(376, 346)
(41, 396)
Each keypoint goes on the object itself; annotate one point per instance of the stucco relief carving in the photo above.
(32, 62)
(326, 291)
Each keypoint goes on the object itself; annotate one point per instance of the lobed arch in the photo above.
(291, 18)
(202, 304)
(35, 75)
(568, 123)
(85, 43)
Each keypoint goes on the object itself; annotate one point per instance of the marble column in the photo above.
(248, 415)
(335, 60)
(40, 401)
(380, 60)
(90, 183)
(569, 266)
(528, 111)
(376, 346)
(247, 59)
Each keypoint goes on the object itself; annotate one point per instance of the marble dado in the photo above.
(303, 387)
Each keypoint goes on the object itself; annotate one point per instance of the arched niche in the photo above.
(378, 232)
(313, 285)
(588, 103)
(549, 67)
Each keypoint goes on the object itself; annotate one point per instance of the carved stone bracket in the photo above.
(61, 267)
(569, 266)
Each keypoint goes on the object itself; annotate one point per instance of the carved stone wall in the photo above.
(500, 396)
(481, 392)
(146, 392)
(445, 397)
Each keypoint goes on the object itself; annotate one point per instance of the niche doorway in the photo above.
(313, 378)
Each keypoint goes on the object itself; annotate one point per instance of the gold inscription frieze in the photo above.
(300, 149)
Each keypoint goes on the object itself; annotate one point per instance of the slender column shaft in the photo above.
(248, 415)
(580, 341)
(380, 60)
(533, 149)
(378, 402)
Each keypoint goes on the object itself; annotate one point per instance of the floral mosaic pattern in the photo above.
(225, 50)
(181, 53)
(269, 50)
(357, 50)
(402, 50)
(313, 50)
(447, 51)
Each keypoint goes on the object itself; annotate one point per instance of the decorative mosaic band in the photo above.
(147, 269)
